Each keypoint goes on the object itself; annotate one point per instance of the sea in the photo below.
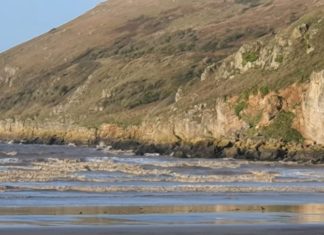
(58, 186)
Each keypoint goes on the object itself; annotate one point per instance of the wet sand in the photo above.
(172, 230)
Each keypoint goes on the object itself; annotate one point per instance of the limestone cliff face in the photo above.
(197, 124)
(313, 108)
(201, 123)
(45, 131)
(259, 54)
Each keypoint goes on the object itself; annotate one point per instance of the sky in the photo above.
(22, 20)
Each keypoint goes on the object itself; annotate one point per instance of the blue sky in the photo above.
(21, 20)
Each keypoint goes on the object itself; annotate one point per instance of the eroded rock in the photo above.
(313, 109)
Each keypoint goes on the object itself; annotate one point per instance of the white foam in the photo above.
(8, 160)
(13, 153)
(139, 161)
(151, 154)
(97, 159)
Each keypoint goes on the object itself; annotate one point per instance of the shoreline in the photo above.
(258, 150)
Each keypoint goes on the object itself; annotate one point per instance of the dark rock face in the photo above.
(148, 148)
(125, 145)
(256, 150)
(314, 157)
(180, 154)
(272, 155)
(232, 152)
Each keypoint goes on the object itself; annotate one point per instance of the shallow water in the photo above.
(61, 185)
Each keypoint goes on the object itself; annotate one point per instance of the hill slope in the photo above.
(168, 71)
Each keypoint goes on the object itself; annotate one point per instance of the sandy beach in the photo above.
(172, 230)
(80, 191)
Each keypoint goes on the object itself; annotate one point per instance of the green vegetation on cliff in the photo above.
(281, 128)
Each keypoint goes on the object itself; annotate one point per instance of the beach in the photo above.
(83, 190)
(176, 230)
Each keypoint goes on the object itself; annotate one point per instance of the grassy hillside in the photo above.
(125, 60)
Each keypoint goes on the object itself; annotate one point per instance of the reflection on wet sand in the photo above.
(130, 210)
(204, 214)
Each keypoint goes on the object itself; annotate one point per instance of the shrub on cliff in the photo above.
(281, 128)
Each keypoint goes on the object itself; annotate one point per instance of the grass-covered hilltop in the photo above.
(211, 78)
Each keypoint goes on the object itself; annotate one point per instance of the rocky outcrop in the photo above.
(265, 54)
(8, 75)
(199, 123)
(45, 132)
(307, 34)
(313, 109)
(257, 55)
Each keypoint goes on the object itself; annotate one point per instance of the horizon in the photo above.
(22, 21)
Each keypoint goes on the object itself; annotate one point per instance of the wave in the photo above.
(56, 169)
(13, 153)
(167, 189)
(9, 160)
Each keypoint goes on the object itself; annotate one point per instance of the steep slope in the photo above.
(269, 88)
(166, 71)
